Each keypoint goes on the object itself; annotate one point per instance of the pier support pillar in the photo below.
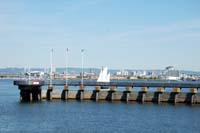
(38, 94)
(175, 98)
(49, 95)
(39, 97)
(30, 93)
(81, 95)
(31, 96)
(128, 91)
(127, 96)
(20, 96)
(112, 91)
(112, 96)
(64, 95)
(193, 92)
(49, 92)
(160, 90)
(82, 88)
(66, 87)
(96, 95)
(129, 88)
(143, 97)
(143, 91)
(65, 92)
(113, 88)
(192, 99)
(176, 91)
(159, 97)
(97, 89)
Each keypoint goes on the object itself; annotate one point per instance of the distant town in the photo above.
(168, 73)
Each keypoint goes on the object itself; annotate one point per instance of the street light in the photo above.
(82, 55)
(51, 64)
(67, 51)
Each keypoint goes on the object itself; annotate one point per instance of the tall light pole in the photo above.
(82, 54)
(51, 64)
(67, 51)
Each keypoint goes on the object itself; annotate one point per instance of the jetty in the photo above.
(32, 90)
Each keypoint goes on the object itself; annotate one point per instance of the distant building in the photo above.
(134, 73)
(122, 73)
(119, 73)
(139, 73)
(144, 73)
(170, 73)
(38, 74)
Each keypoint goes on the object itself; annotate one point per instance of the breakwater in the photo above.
(32, 91)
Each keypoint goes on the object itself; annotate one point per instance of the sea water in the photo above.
(89, 116)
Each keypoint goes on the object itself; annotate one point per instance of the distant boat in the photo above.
(104, 77)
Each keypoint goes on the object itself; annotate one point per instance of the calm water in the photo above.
(88, 116)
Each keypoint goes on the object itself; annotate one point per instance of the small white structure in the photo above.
(104, 76)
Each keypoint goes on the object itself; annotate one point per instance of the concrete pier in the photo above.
(32, 91)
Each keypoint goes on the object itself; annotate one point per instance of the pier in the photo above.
(32, 91)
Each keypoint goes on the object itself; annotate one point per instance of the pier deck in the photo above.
(144, 83)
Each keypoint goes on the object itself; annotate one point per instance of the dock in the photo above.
(31, 90)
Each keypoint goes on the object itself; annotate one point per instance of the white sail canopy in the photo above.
(104, 76)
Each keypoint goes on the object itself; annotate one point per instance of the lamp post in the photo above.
(50, 87)
(67, 51)
(82, 57)
(51, 64)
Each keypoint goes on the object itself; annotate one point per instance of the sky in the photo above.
(122, 34)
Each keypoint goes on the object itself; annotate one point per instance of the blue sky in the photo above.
(134, 34)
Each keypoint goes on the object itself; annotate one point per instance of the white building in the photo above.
(171, 74)
(122, 73)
